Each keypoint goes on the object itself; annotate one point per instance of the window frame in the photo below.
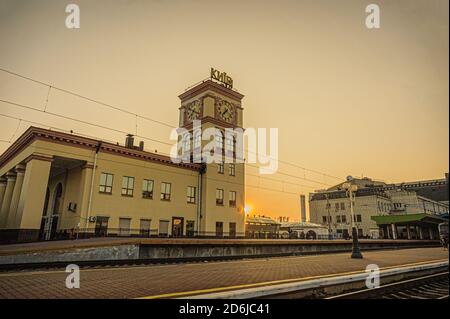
(219, 140)
(219, 201)
(150, 196)
(166, 196)
(191, 198)
(232, 202)
(106, 185)
(127, 188)
(197, 140)
(232, 169)
(221, 168)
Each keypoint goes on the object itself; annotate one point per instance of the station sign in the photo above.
(222, 77)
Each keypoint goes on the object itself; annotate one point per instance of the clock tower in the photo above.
(221, 189)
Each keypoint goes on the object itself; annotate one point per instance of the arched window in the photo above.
(197, 139)
(186, 143)
(311, 234)
(219, 140)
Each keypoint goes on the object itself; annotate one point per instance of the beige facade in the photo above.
(59, 185)
(338, 210)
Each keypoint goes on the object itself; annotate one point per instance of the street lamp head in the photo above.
(349, 178)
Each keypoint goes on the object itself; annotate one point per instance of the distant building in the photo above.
(261, 227)
(303, 230)
(331, 208)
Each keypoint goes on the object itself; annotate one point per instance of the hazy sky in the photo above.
(347, 100)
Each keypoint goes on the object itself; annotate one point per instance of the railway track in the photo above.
(435, 286)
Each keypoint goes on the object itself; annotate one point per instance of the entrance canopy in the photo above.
(421, 218)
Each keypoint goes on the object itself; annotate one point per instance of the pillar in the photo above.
(420, 233)
(2, 189)
(83, 197)
(20, 172)
(6, 202)
(430, 232)
(394, 231)
(408, 231)
(32, 197)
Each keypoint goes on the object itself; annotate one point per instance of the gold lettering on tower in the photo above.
(222, 77)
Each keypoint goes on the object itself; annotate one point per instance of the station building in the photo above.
(56, 185)
(384, 210)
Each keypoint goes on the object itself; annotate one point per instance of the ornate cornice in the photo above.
(210, 119)
(213, 86)
(35, 133)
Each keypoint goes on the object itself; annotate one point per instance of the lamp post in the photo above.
(356, 252)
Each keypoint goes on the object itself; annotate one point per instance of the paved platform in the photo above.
(67, 245)
(178, 280)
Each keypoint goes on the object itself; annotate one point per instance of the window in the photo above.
(124, 226)
(163, 228)
(190, 230)
(232, 232)
(147, 189)
(220, 168)
(324, 219)
(186, 143)
(190, 194)
(358, 218)
(336, 207)
(360, 232)
(229, 147)
(344, 218)
(219, 196)
(232, 169)
(219, 140)
(144, 228)
(338, 219)
(197, 139)
(101, 226)
(127, 186)
(342, 206)
(232, 201)
(165, 190)
(106, 183)
(219, 229)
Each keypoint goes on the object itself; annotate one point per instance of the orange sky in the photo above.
(347, 100)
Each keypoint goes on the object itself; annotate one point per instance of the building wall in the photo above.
(76, 188)
(365, 206)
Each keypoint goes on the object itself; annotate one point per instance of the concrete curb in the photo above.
(311, 284)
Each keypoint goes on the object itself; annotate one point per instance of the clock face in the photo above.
(225, 110)
(193, 110)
